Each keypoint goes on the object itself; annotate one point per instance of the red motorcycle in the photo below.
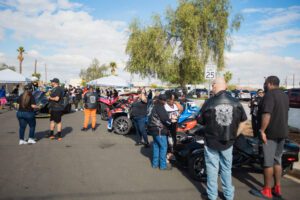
(107, 104)
(119, 119)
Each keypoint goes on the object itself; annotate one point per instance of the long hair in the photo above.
(25, 100)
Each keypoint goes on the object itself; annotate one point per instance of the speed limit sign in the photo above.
(210, 73)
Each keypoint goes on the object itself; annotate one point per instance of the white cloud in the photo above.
(71, 34)
(266, 41)
(251, 67)
(275, 17)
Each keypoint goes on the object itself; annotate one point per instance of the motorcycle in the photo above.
(107, 104)
(187, 122)
(189, 153)
(42, 100)
(119, 119)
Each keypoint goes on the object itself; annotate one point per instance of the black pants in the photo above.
(255, 125)
(173, 133)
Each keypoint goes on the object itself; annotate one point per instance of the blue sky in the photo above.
(67, 35)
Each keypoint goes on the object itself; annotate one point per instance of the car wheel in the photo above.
(122, 125)
(196, 167)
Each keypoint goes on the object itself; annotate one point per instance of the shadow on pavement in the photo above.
(243, 175)
(43, 134)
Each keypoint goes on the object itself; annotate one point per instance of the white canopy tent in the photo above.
(9, 76)
(110, 81)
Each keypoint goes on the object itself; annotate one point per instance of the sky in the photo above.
(66, 35)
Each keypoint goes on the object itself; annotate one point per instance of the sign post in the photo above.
(210, 74)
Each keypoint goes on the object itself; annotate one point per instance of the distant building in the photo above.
(75, 82)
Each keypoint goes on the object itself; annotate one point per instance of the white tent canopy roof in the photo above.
(9, 76)
(110, 81)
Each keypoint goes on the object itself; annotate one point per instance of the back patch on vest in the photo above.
(92, 99)
(224, 114)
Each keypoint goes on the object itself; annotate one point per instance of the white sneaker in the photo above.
(31, 141)
(22, 142)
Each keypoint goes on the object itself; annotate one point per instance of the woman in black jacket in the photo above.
(158, 127)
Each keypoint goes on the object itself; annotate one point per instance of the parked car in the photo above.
(294, 97)
(41, 99)
(198, 93)
(241, 94)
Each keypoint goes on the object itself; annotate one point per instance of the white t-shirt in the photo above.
(172, 110)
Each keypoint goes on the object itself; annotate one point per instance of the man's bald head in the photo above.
(218, 85)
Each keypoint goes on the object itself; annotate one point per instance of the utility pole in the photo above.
(45, 73)
(285, 82)
(293, 80)
(35, 65)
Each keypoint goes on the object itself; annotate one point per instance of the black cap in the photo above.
(162, 97)
(55, 80)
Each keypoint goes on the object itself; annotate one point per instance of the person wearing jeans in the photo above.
(139, 125)
(158, 125)
(139, 114)
(26, 118)
(26, 115)
(221, 116)
(160, 147)
(214, 159)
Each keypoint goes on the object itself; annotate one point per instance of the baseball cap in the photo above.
(162, 97)
(55, 80)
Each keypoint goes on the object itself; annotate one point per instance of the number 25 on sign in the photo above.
(210, 73)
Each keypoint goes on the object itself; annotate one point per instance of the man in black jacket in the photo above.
(90, 108)
(274, 131)
(255, 107)
(221, 116)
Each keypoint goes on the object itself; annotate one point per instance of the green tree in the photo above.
(21, 52)
(177, 51)
(38, 75)
(113, 67)
(94, 71)
(5, 66)
(227, 76)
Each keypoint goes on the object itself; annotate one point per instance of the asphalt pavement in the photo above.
(98, 165)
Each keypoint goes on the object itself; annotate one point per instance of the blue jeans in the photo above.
(139, 124)
(160, 146)
(213, 159)
(24, 119)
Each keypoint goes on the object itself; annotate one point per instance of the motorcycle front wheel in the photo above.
(122, 125)
(196, 167)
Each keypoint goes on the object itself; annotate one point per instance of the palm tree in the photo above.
(113, 66)
(227, 76)
(21, 51)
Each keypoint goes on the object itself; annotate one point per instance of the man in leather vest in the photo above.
(90, 108)
(221, 116)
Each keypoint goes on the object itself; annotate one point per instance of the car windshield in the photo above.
(245, 91)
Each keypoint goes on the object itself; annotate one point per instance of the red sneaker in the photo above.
(276, 190)
(266, 193)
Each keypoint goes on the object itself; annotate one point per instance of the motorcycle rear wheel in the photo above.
(196, 167)
(122, 125)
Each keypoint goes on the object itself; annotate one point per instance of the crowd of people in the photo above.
(221, 116)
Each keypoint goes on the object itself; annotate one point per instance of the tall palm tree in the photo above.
(113, 66)
(21, 51)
